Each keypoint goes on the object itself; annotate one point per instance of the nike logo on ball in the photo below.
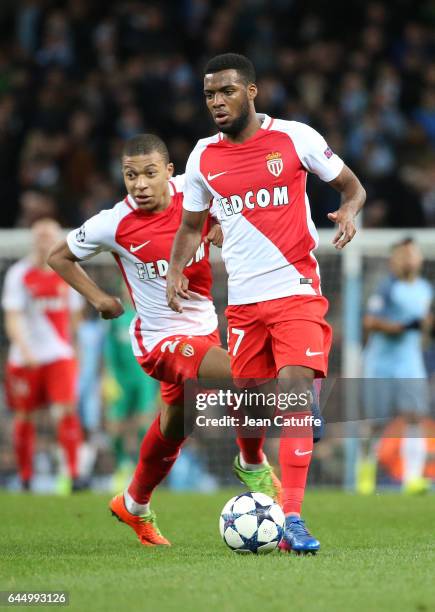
(300, 453)
(210, 177)
(133, 249)
(310, 353)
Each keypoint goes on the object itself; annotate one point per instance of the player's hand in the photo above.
(110, 307)
(345, 219)
(215, 236)
(176, 286)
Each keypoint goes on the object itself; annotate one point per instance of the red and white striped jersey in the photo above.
(259, 186)
(141, 243)
(46, 302)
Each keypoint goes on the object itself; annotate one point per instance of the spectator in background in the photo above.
(35, 205)
(77, 77)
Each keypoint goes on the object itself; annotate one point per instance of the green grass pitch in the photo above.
(378, 553)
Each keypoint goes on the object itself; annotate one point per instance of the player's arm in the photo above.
(16, 334)
(353, 196)
(66, 264)
(373, 323)
(187, 240)
(76, 316)
(196, 204)
(318, 158)
(14, 301)
(377, 317)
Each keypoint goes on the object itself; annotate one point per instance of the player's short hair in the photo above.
(144, 144)
(403, 242)
(232, 61)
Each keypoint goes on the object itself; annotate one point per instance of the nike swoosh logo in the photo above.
(309, 353)
(210, 177)
(300, 453)
(133, 249)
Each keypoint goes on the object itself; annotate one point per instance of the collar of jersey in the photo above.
(266, 123)
(132, 203)
(130, 200)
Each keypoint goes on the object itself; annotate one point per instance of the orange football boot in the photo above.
(145, 526)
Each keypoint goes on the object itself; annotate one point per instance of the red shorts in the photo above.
(176, 359)
(266, 336)
(28, 389)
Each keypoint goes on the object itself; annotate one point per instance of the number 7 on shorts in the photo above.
(239, 333)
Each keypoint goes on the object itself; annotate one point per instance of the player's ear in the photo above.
(170, 169)
(252, 91)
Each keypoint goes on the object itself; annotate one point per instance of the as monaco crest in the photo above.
(187, 350)
(274, 163)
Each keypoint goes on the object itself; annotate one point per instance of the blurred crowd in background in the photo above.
(79, 77)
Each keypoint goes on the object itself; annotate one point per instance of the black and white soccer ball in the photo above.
(252, 523)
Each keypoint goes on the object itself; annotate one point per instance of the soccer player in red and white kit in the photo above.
(256, 169)
(41, 314)
(172, 348)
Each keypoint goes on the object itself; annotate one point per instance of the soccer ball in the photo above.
(252, 523)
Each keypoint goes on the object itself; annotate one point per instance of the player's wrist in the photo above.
(350, 208)
(397, 328)
(174, 270)
(101, 302)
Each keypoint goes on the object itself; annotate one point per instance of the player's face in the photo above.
(45, 234)
(406, 261)
(229, 100)
(146, 180)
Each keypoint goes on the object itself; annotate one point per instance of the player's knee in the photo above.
(58, 411)
(411, 417)
(295, 377)
(296, 383)
(215, 364)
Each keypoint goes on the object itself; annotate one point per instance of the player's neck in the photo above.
(409, 278)
(253, 125)
(164, 203)
(39, 261)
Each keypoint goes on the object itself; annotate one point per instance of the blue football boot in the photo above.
(297, 538)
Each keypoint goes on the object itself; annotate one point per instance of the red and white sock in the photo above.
(295, 452)
(252, 456)
(69, 436)
(250, 442)
(157, 455)
(24, 443)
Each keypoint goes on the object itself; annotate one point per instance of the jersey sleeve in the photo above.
(94, 236)
(14, 295)
(214, 210)
(378, 302)
(178, 183)
(314, 152)
(197, 196)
